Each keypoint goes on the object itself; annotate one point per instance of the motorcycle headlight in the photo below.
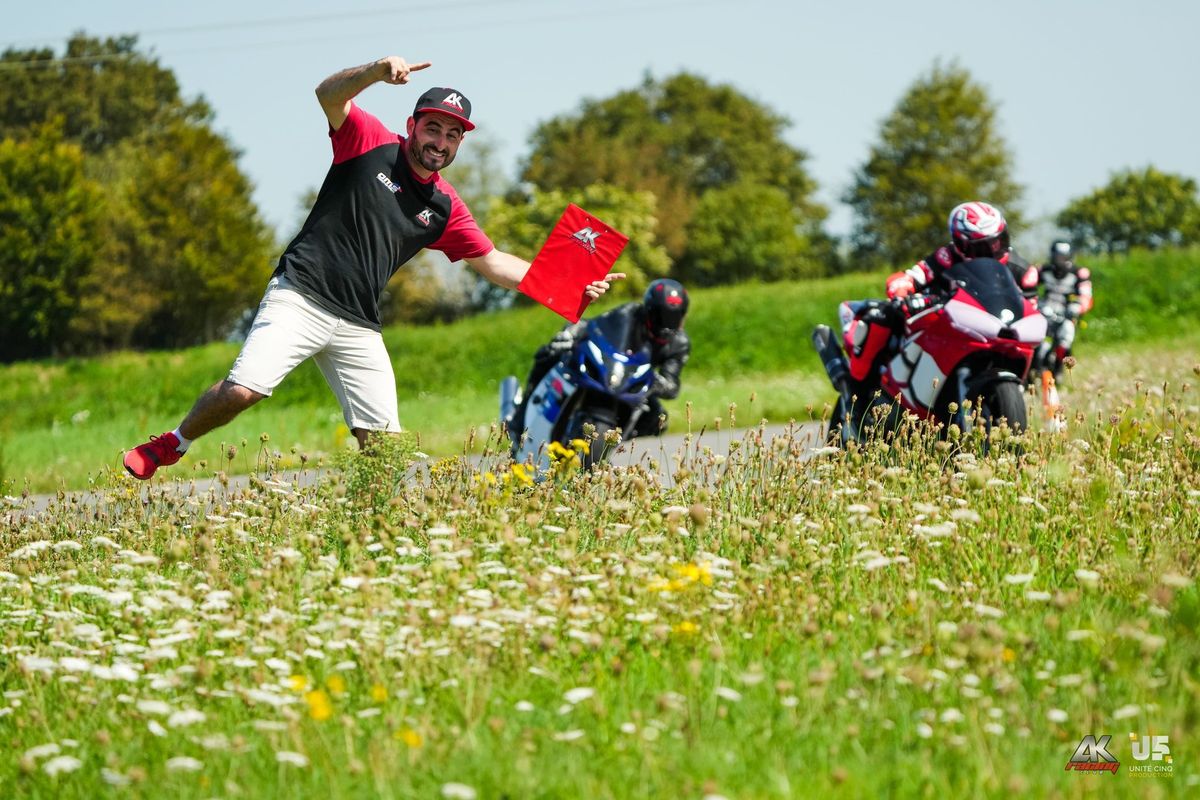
(616, 376)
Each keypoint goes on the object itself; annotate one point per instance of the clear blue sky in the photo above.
(1084, 88)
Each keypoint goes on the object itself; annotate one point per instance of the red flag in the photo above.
(580, 249)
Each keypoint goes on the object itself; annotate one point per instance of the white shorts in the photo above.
(289, 328)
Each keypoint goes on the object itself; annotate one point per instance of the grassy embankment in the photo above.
(908, 622)
(64, 424)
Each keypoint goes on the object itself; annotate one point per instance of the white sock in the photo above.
(184, 444)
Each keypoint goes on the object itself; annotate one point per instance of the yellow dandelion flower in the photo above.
(336, 684)
(297, 683)
(581, 445)
(687, 628)
(379, 693)
(1009, 655)
(522, 473)
(559, 453)
(410, 737)
(319, 707)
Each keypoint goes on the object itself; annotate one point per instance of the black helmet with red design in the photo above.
(978, 230)
(666, 304)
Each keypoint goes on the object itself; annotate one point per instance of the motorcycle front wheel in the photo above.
(1004, 401)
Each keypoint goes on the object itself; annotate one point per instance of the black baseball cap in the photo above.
(450, 102)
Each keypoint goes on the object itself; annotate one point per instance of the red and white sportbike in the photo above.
(931, 353)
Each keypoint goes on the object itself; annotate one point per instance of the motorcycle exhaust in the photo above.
(831, 355)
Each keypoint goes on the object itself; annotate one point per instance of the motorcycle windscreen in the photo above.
(614, 329)
(992, 285)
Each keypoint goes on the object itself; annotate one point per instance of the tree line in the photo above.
(125, 220)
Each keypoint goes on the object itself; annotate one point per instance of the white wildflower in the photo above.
(568, 736)
(1056, 715)
(188, 716)
(1035, 596)
(988, 611)
(1087, 577)
(42, 750)
(923, 730)
(457, 791)
(184, 764)
(1018, 579)
(289, 757)
(575, 696)
(113, 778)
(155, 707)
(524, 706)
(61, 764)
(156, 728)
(951, 715)
(732, 695)
(1125, 712)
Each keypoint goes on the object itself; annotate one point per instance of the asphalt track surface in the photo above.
(663, 454)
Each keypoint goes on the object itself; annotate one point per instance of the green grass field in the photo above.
(65, 424)
(909, 621)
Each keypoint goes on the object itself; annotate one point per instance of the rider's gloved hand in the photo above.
(562, 343)
(900, 284)
(1073, 311)
(916, 303)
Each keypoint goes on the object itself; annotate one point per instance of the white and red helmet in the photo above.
(978, 230)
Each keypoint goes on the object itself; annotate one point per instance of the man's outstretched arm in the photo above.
(507, 270)
(335, 92)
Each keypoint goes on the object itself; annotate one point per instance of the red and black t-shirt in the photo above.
(372, 215)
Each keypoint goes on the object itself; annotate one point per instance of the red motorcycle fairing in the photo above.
(938, 340)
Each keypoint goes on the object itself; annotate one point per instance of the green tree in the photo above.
(677, 138)
(520, 225)
(188, 222)
(938, 148)
(50, 233)
(184, 249)
(1136, 208)
(748, 231)
(103, 90)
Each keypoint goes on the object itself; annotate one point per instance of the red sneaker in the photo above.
(160, 451)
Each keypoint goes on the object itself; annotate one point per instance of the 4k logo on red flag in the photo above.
(587, 237)
(580, 249)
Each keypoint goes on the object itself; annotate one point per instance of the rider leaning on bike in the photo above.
(658, 323)
(977, 230)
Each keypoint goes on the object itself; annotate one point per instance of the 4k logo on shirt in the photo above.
(587, 237)
(453, 99)
(424, 216)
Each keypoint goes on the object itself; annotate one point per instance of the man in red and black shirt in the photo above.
(382, 202)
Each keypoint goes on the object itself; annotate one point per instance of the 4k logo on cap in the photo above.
(1092, 756)
(424, 216)
(587, 237)
(453, 99)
